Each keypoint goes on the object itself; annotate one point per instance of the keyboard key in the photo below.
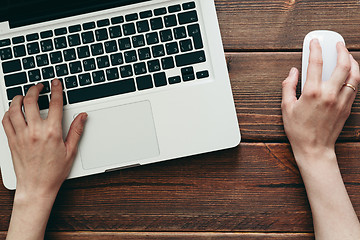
(152, 38)
(98, 76)
(112, 74)
(117, 20)
(140, 68)
(154, 65)
(87, 37)
(202, 74)
(172, 48)
(101, 91)
(89, 64)
(60, 31)
(71, 82)
(174, 8)
(83, 52)
(126, 71)
(33, 48)
(34, 75)
(160, 11)
(131, 17)
(189, 5)
(75, 67)
(170, 21)
(5, 54)
(32, 37)
(69, 54)
(46, 34)
(85, 79)
(174, 80)
(188, 74)
(42, 60)
(180, 33)
(74, 40)
(46, 45)
(129, 29)
(60, 42)
(97, 49)
(101, 34)
(143, 26)
(158, 51)
(130, 56)
(17, 40)
(11, 66)
(43, 102)
(110, 46)
(124, 43)
(46, 88)
(117, 59)
(160, 79)
(12, 92)
(144, 53)
(115, 32)
(144, 82)
(48, 72)
(28, 63)
(4, 42)
(103, 23)
(138, 41)
(103, 62)
(166, 35)
(15, 79)
(89, 25)
(146, 14)
(167, 63)
(194, 32)
(188, 17)
(55, 57)
(27, 87)
(186, 45)
(61, 70)
(190, 58)
(75, 28)
(156, 23)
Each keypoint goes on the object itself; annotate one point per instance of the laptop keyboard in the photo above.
(108, 57)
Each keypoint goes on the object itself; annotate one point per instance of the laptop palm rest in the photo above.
(119, 135)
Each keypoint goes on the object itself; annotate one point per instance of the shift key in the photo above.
(190, 58)
(15, 79)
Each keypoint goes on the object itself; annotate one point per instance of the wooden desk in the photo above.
(253, 191)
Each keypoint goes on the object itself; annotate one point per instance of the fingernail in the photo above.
(316, 40)
(292, 71)
(84, 117)
(55, 82)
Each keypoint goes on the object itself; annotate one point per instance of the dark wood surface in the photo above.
(253, 191)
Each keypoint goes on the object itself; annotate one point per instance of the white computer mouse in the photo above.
(328, 41)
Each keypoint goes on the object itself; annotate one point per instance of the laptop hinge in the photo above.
(125, 167)
(4, 27)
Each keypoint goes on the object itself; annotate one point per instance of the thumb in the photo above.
(75, 132)
(289, 87)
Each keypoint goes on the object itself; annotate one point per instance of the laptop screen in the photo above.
(25, 12)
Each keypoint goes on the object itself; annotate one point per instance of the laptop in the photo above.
(151, 75)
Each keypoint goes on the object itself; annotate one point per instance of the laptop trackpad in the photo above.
(119, 135)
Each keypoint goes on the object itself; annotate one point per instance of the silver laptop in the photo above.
(151, 75)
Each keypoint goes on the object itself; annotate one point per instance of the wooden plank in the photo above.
(283, 24)
(255, 187)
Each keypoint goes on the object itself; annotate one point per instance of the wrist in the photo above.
(315, 156)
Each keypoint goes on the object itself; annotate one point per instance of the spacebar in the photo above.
(101, 91)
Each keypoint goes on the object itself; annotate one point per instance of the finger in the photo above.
(31, 106)
(74, 134)
(8, 127)
(342, 69)
(56, 103)
(16, 115)
(289, 88)
(347, 93)
(314, 72)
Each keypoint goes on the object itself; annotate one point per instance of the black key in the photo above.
(75, 67)
(144, 82)
(46, 34)
(75, 28)
(103, 62)
(12, 92)
(167, 63)
(19, 51)
(174, 8)
(188, 74)
(156, 23)
(34, 75)
(47, 45)
(115, 32)
(32, 37)
(138, 41)
(170, 21)
(15, 79)
(28, 62)
(124, 43)
(112, 74)
(158, 51)
(74, 40)
(146, 14)
(71, 82)
(131, 17)
(194, 32)
(83, 52)
(5, 54)
(101, 34)
(89, 25)
(172, 48)
(11, 66)
(46, 88)
(117, 20)
(103, 23)
(188, 17)
(160, 79)
(87, 37)
(180, 32)
(154, 65)
(186, 45)
(130, 56)
(110, 46)
(17, 40)
(69, 54)
(98, 76)
(189, 5)
(174, 80)
(89, 64)
(126, 71)
(43, 102)
(101, 91)
(152, 38)
(129, 29)
(85, 79)
(117, 59)
(60, 42)
(166, 35)
(143, 26)
(33, 48)
(55, 57)
(27, 87)
(144, 53)
(190, 58)
(160, 11)
(140, 68)
(61, 70)
(4, 42)
(42, 60)
(97, 49)
(48, 72)
(202, 74)
(60, 31)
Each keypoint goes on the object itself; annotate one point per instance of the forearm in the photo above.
(333, 214)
